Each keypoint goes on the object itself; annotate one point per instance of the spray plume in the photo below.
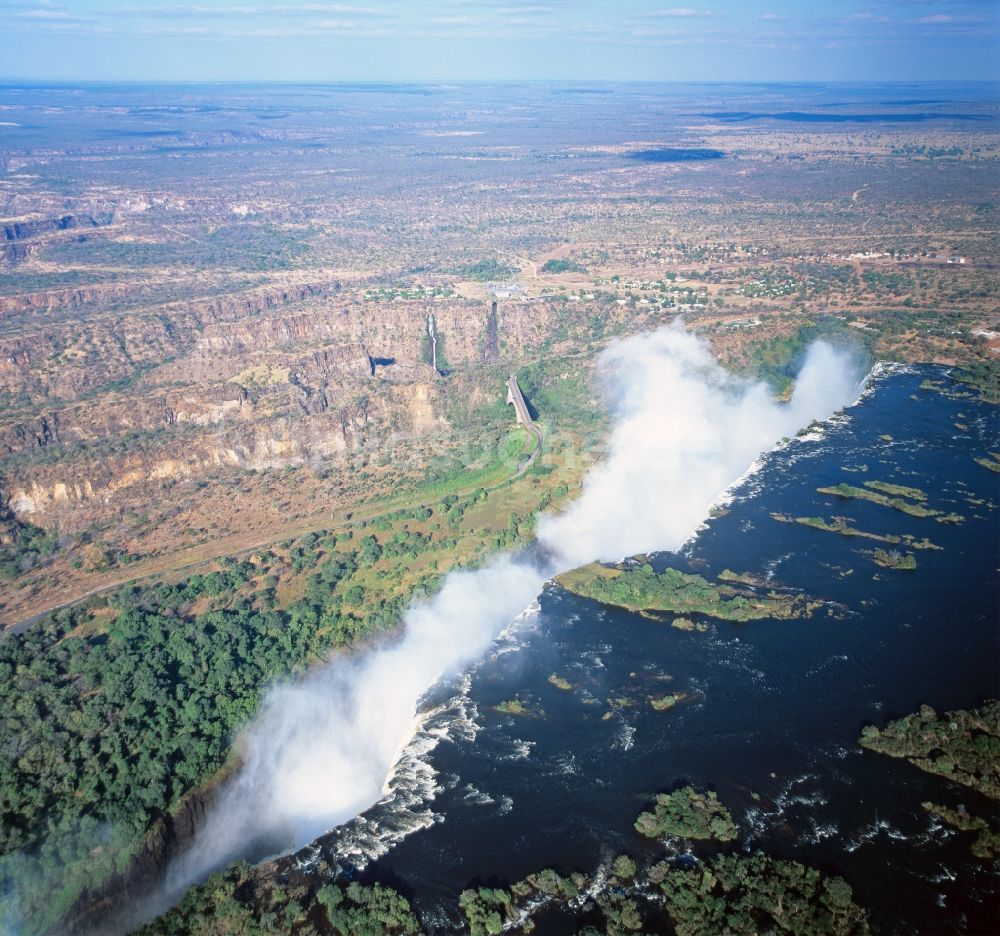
(321, 750)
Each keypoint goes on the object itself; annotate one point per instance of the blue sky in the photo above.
(742, 40)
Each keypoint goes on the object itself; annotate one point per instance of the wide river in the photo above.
(774, 707)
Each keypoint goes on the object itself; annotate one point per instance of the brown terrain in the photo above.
(197, 366)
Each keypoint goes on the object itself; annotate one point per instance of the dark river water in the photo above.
(774, 709)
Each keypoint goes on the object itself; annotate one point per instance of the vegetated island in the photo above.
(905, 499)
(734, 893)
(518, 706)
(842, 526)
(639, 588)
(983, 377)
(963, 747)
(894, 559)
(990, 462)
(686, 813)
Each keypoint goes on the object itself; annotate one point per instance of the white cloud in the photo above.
(678, 13)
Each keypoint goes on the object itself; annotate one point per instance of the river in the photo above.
(774, 707)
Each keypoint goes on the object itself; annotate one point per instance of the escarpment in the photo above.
(107, 412)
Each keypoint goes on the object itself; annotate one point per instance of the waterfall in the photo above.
(433, 337)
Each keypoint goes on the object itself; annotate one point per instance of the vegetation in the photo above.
(777, 360)
(982, 375)
(684, 624)
(962, 746)
(26, 547)
(487, 909)
(746, 896)
(560, 683)
(175, 683)
(663, 703)
(841, 525)
(986, 843)
(686, 813)
(516, 706)
(897, 503)
(224, 905)
(893, 559)
(486, 270)
(897, 490)
(641, 589)
(562, 266)
(366, 911)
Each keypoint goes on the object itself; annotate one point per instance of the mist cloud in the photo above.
(684, 430)
(322, 748)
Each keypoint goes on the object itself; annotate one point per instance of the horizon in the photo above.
(443, 83)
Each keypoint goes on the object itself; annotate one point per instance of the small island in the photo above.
(963, 747)
(686, 813)
(663, 703)
(517, 706)
(878, 492)
(685, 624)
(893, 559)
(639, 588)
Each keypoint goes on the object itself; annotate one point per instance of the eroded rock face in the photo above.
(110, 406)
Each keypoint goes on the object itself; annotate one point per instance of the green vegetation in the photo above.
(987, 842)
(366, 911)
(777, 360)
(518, 706)
(562, 266)
(840, 525)
(897, 503)
(686, 813)
(982, 375)
(897, 490)
(663, 703)
(962, 746)
(224, 904)
(487, 270)
(488, 909)
(746, 896)
(641, 589)
(991, 463)
(560, 683)
(893, 559)
(175, 681)
(562, 391)
(26, 547)
(684, 624)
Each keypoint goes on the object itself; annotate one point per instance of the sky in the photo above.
(484, 40)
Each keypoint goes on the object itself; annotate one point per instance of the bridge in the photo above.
(515, 396)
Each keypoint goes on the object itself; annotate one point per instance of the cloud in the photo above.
(936, 19)
(867, 17)
(222, 11)
(772, 17)
(677, 13)
(684, 430)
